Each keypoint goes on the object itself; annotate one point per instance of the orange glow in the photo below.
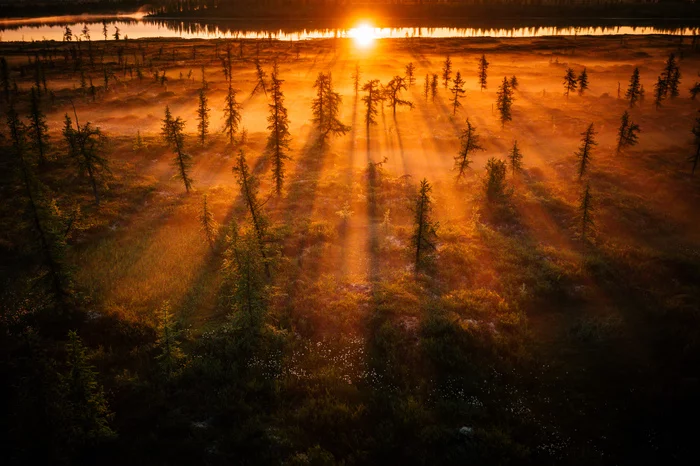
(363, 35)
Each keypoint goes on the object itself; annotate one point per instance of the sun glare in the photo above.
(363, 35)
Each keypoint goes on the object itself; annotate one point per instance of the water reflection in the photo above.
(138, 27)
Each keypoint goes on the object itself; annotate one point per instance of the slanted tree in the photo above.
(495, 180)
(434, 87)
(695, 90)
(504, 102)
(232, 114)
(586, 213)
(262, 76)
(694, 159)
(582, 82)
(426, 87)
(173, 132)
(457, 92)
(410, 74)
(392, 93)
(634, 89)
(67, 34)
(203, 116)
(469, 144)
(372, 99)
(84, 406)
(514, 83)
(424, 228)
(515, 158)
(483, 72)
(39, 130)
(356, 75)
(105, 32)
(447, 71)
(87, 146)
(584, 151)
(208, 224)
(279, 139)
(116, 34)
(326, 108)
(51, 242)
(570, 82)
(250, 185)
(627, 133)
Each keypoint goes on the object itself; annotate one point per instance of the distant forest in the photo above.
(493, 9)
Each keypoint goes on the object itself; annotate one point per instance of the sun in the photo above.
(363, 35)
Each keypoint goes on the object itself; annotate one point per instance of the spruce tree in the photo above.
(51, 243)
(326, 108)
(39, 130)
(392, 91)
(434, 87)
(87, 146)
(371, 100)
(514, 83)
(247, 266)
(495, 180)
(232, 114)
(356, 75)
(83, 401)
(457, 92)
(694, 159)
(208, 223)
(570, 82)
(515, 158)
(660, 91)
(410, 74)
(426, 87)
(504, 102)
(674, 83)
(173, 134)
(249, 185)
(627, 133)
(483, 72)
(671, 77)
(634, 90)
(447, 71)
(169, 352)
(279, 139)
(424, 228)
(586, 213)
(584, 152)
(5, 79)
(469, 144)
(582, 82)
(203, 116)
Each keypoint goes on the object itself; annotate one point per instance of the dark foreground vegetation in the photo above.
(215, 294)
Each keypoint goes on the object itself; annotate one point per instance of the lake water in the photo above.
(137, 26)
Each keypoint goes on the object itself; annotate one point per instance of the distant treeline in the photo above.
(493, 9)
(36, 8)
(301, 9)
